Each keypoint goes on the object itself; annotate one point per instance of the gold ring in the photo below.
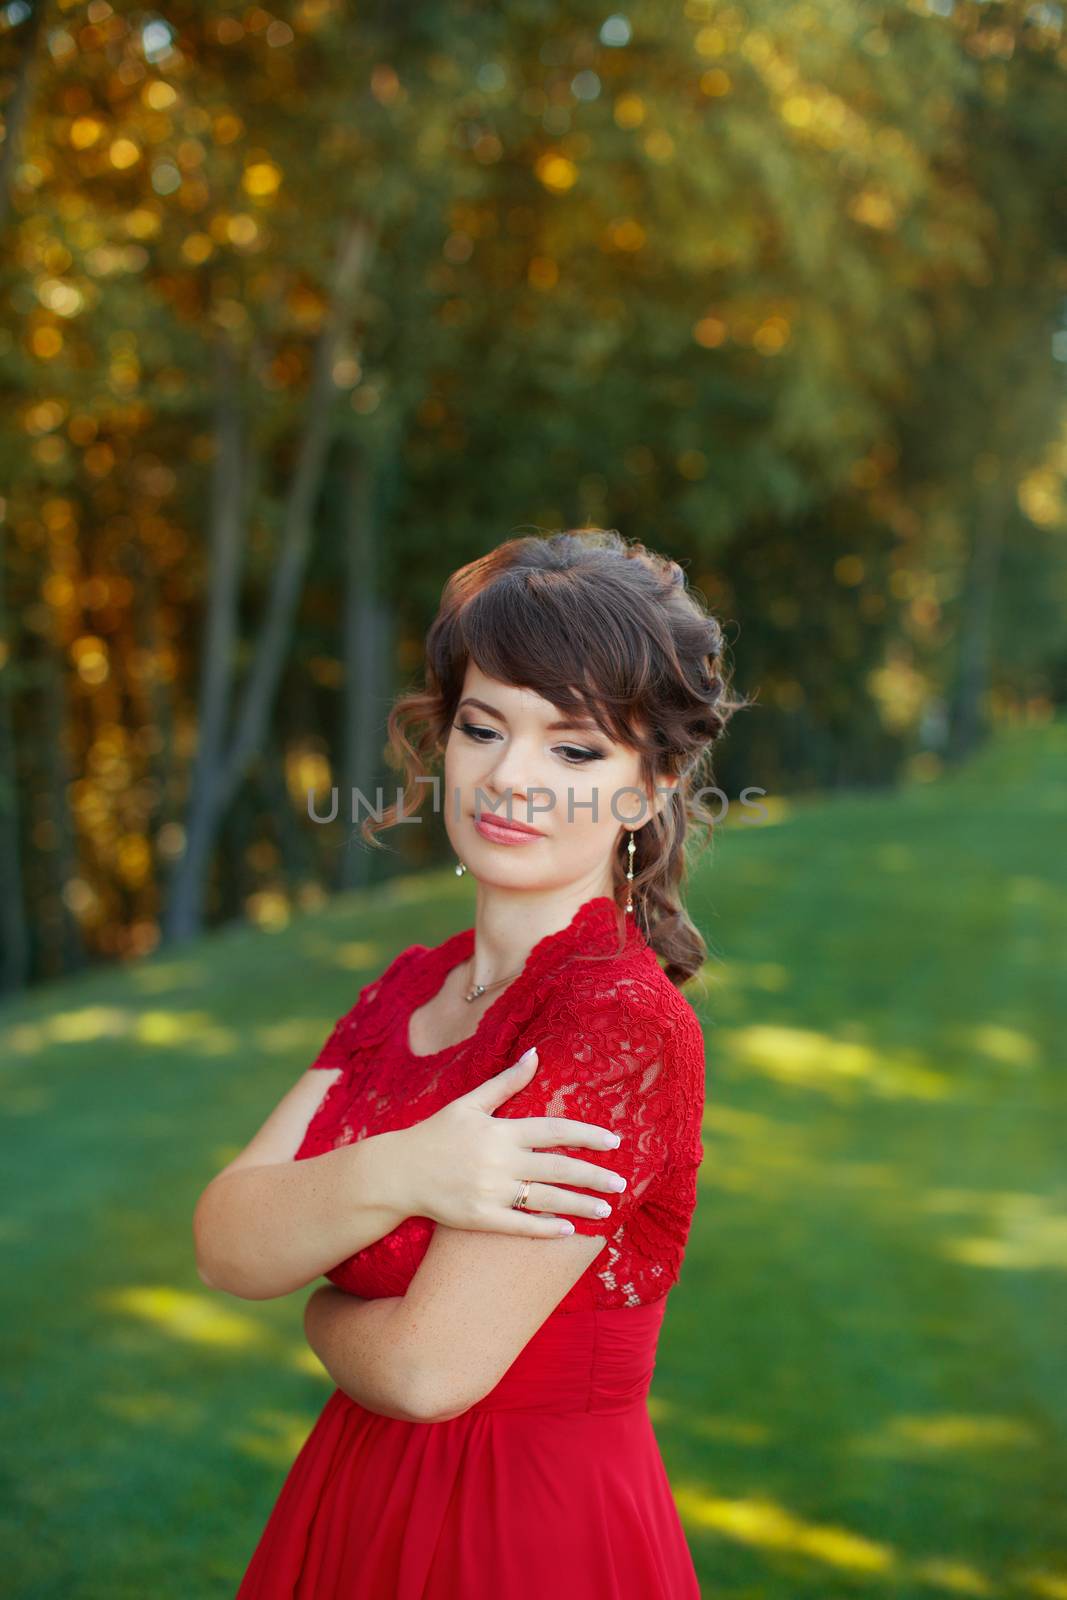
(519, 1202)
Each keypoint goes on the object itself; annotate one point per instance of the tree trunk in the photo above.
(225, 764)
(271, 646)
(64, 857)
(968, 723)
(228, 519)
(365, 677)
(19, 101)
(14, 934)
(157, 697)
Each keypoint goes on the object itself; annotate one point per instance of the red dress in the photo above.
(553, 1482)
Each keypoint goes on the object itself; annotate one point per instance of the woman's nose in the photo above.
(516, 772)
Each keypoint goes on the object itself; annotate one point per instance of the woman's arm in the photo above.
(473, 1304)
(267, 1224)
(335, 1324)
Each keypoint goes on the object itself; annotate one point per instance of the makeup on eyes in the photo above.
(580, 754)
(576, 724)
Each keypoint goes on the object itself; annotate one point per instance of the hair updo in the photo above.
(599, 625)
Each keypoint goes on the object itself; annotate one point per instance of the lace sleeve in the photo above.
(609, 1059)
(334, 1052)
(353, 1027)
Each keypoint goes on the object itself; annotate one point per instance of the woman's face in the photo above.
(504, 759)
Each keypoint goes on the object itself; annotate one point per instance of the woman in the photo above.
(489, 1435)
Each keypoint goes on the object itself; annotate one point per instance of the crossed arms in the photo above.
(473, 1304)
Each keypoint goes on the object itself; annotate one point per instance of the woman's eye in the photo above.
(575, 756)
(579, 755)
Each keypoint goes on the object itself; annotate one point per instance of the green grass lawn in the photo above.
(860, 1388)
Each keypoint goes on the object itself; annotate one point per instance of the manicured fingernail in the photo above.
(527, 1056)
(566, 1227)
(603, 1210)
(613, 1141)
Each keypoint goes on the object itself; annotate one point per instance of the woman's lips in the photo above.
(502, 833)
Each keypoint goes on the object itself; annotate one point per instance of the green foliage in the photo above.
(776, 289)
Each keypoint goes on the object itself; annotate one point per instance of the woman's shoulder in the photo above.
(650, 1029)
(365, 1021)
(402, 967)
(624, 1010)
(616, 1039)
(633, 985)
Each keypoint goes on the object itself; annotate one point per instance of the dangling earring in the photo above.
(460, 869)
(630, 872)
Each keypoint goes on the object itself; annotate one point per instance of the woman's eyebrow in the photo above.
(552, 727)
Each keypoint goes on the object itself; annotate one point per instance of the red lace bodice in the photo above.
(618, 1045)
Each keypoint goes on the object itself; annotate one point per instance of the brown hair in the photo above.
(598, 624)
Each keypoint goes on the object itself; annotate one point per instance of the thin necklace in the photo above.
(482, 988)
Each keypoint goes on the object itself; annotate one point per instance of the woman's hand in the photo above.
(463, 1166)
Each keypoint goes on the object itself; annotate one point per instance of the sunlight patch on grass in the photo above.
(350, 955)
(290, 1036)
(145, 1407)
(157, 977)
(953, 1202)
(852, 1175)
(1031, 1235)
(949, 1434)
(734, 1122)
(197, 1031)
(955, 1576)
(1029, 891)
(303, 1359)
(281, 1437)
(1024, 1230)
(762, 1145)
(769, 977)
(1045, 1585)
(223, 1154)
(893, 858)
(810, 1059)
(731, 1430)
(358, 955)
(195, 1318)
(760, 811)
(83, 1025)
(764, 1525)
(1007, 1046)
(411, 887)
